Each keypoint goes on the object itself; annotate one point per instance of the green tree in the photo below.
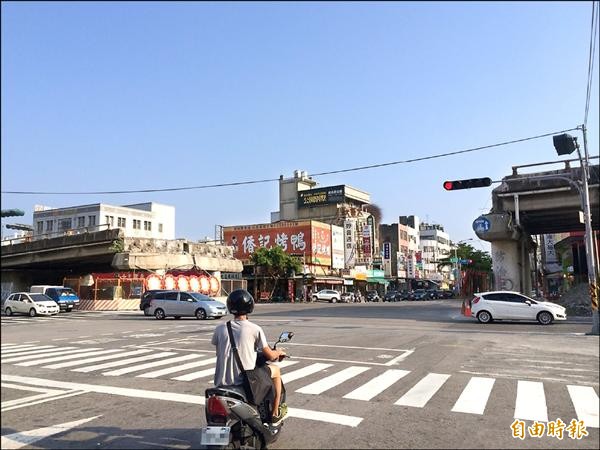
(481, 260)
(274, 264)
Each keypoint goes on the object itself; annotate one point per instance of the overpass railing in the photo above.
(566, 162)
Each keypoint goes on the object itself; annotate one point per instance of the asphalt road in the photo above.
(391, 375)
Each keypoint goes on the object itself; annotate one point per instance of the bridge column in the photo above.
(512, 266)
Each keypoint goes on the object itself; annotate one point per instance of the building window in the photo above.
(110, 220)
(91, 221)
(81, 222)
(64, 224)
(137, 224)
(49, 225)
(121, 222)
(147, 225)
(160, 228)
(40, 227)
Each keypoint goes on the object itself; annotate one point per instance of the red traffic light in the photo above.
(467, 184)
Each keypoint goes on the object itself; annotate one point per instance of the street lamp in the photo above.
(458, 274)
(566, 144)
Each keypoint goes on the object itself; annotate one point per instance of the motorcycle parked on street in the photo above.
(234, 422)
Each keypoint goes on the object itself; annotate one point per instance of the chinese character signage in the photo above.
(387, 251)
(337, 247)
(308, 239)
(321, 196)
(350, 242)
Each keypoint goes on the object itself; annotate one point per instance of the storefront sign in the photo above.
(337, 247)
(350, 242)
(321, 196)
(387, 251)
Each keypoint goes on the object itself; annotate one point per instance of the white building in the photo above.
(435, 246)
(143, 220)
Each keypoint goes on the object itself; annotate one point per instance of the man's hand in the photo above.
(281, 355)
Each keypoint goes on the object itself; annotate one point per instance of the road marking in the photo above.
(38, 362)
(475, 396)
(44, 400)
(164, 362)
(27, 348)
(285, 363)
(99, 358)
(195, 375)
(586, 403)
(49, 353)
(29, 388)
(332, 380)
(320, 416)
(18, 440)
(304, 372)
(421, 392)
(123, 362)
(531, 401)
(15, 346)
(377, 385)
(158, 373)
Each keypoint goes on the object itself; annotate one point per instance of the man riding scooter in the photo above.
(250, 339)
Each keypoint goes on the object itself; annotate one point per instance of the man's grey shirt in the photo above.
(249, 339)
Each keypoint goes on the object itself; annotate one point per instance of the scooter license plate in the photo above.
(214, 436)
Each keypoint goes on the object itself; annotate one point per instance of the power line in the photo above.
(591, 58)
(241, 183)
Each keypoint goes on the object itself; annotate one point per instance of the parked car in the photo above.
(432, 294)
(373, 296)
(420, 294)
(391, 296)
(447, 293)
(65, 297)
(508, 305)
(184, 304)
(347, 297)
(328, 295)
(31, 304)
(406, 295)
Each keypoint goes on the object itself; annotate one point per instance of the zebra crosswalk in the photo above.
(352, 382)
(22, 320)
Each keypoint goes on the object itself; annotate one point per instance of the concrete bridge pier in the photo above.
(511, 265)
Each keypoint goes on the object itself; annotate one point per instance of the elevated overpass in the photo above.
(527, 204)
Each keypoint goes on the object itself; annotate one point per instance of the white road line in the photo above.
(9, 345)
(29, 388)
(34, 352)
(475, 396)
(92, 360)
(27, 438)
(56, 353)
(377, 385)
(320, 416)
(123, 362)
(13, 347)
(420, 393)
(195, 375)
(164, 362)
(38, 362)
(43, 400)
(332, 380)
(531, 401)
(30, 398)
(27, 348)
(399, 358)
(304, 372)
(168, 370)
(586, 403)
(286, 363)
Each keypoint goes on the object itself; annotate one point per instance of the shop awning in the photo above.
(328, 280)
(378, 280)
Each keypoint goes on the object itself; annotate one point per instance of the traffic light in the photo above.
(467, 184)
(565, 144)
(12, 212)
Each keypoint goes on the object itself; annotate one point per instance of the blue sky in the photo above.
(120, 96)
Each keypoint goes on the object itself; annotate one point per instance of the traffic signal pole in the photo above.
(593, 278)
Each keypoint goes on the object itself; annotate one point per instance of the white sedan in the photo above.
(30, 304)
(508, 305)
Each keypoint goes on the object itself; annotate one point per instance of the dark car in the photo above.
(406, 295)
(347, 297)
(447, 293)
(420, 294)
(391, 296)
(146, 297)
(373, 296)
(435, 294)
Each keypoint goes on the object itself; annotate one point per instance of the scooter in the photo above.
(234, 422)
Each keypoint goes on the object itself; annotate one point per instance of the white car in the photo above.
(327, 294)
(508, 305)
(31, 304)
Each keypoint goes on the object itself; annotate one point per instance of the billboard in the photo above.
(307, 239)
(321, 196)
(350, 242)
(337, 247)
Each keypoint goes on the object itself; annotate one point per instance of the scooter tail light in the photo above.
(476, 299)
(216, 410)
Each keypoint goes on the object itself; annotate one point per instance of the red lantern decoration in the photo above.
(170, 282)
(215, 286)
(194, 283)
(153, 282)
(183, 283)
(204, 285)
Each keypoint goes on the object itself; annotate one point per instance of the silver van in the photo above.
(180, 304)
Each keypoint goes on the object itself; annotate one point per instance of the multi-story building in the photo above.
(143, 220)
(434, 246)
